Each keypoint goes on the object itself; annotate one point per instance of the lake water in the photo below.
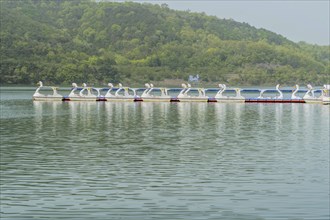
(96, 160)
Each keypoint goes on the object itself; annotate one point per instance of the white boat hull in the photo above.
(230, 100)
(120, 99)
(313, 101)
(193, 99)
(47, 98)
(156, 99)
(80, 98)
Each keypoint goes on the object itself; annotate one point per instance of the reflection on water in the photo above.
(129, 160)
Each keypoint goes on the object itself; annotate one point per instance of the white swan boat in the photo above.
(220, 97)
(184, 95)
(38, 96)
(310, 96)
(82, 94)
(277, 99)
(155, 94)
(122, 94)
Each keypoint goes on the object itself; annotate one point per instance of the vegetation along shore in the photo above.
(60, 42)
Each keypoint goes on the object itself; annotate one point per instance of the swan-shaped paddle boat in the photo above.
(219, 97)
(310, 96)
(262, 98)
(185, 97)
(152, 94)
(38, 96)
(277, 99)
(82, 94)
(109, 95)
(122, 94)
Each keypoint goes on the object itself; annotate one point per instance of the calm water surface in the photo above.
(94, 160)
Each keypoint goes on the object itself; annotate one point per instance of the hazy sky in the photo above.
(296, 20)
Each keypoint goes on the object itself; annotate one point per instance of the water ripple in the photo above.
(164, 161)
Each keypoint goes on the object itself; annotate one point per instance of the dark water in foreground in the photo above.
(94, 160)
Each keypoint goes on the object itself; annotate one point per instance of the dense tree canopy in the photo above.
(98, 42)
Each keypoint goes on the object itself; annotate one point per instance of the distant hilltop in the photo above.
(63, 41)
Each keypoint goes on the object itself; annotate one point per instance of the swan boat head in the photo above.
(146, 92)
(219, 94)
(279, 91)
(293, 96)
(310, 92)
(36, 93)
(108, 94)
(74, 88)
(181, 94)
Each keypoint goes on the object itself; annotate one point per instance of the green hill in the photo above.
(60, 42)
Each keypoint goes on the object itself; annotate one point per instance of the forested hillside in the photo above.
(62, 41)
